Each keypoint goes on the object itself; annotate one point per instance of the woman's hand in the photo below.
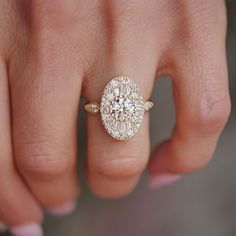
(54, 52)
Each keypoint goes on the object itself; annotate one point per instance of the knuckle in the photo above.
(43, 161)
(210, 114)
(194, 165)
(54, 16)
(184, 164)
(200, 16)
(121, 167)
(200, 21)
(114, 189)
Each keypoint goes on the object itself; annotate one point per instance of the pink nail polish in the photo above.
(161, 180)
(64, 209)
(31, 229)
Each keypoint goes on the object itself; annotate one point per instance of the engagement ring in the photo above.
(122, 108)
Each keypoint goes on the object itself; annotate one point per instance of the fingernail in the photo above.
(3, 227)
(162, 180)
(32, 229)
(64, 209)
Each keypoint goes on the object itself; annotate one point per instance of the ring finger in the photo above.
(114, 166)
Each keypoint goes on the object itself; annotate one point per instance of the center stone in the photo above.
(122, 108)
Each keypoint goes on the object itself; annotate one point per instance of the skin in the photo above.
(52, 53)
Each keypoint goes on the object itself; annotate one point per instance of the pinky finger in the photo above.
(202, 102)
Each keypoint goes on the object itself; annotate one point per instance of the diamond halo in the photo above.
(122, 108)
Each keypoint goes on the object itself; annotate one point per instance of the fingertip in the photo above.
(64, 209)
(161, 180)
(30, 229)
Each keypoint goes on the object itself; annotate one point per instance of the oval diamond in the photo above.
(122, 108)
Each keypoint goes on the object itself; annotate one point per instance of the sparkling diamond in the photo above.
(148, 105)
(92, 107)
(122, 108)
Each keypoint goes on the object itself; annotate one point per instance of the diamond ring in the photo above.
(122, 108)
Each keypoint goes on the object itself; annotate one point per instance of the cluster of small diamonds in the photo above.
(92, 107)
(148, 105)
(122, 108)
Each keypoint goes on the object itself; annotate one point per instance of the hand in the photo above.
(54, 52)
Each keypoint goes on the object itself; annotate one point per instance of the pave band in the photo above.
(122, 108)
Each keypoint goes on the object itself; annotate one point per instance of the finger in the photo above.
(114, 167)
(45, 101)
(131, 49)
(202, 105)
(14, 195)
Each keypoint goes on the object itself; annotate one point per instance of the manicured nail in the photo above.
(3, 227)
(64, 209)
(32, 229)
(161, 180)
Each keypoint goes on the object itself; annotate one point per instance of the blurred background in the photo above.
(202, 203)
